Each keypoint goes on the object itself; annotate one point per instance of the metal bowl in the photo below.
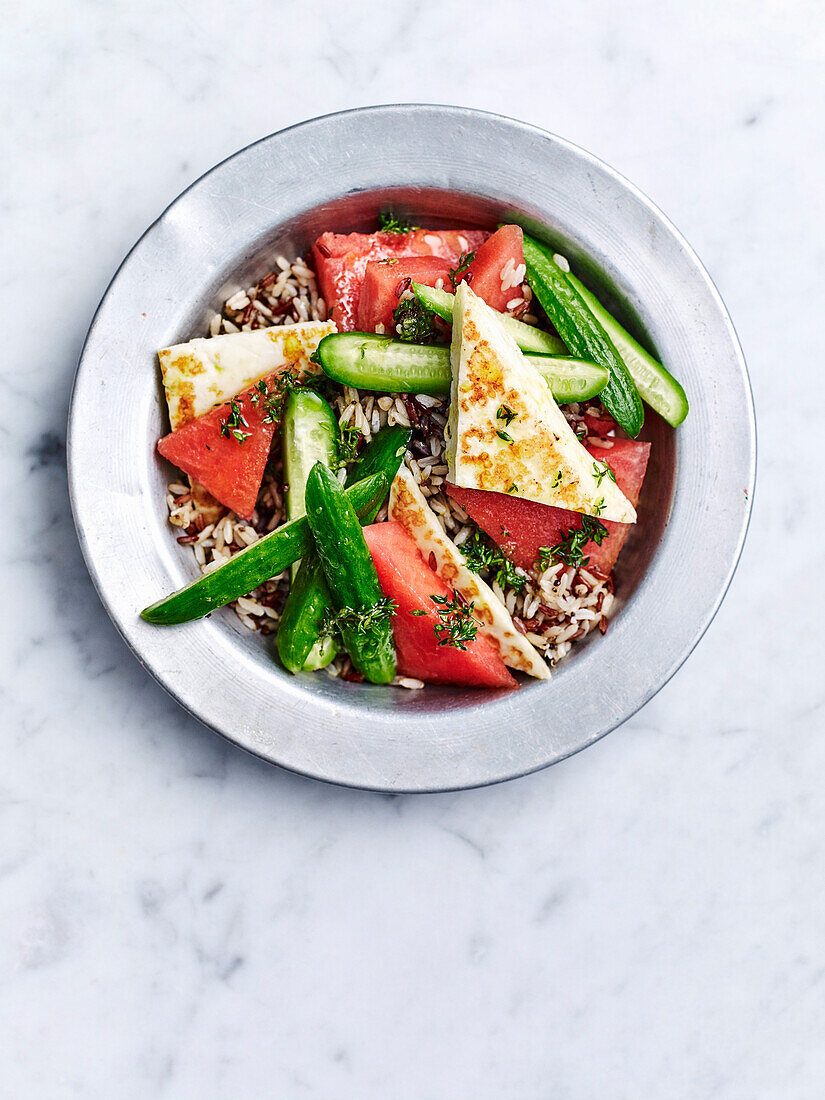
(445, 165)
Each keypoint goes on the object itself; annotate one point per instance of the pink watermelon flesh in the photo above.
(522, 527)
(485, 272)
(385, 281)
(341, 260)
(406, 578)
(230, 470)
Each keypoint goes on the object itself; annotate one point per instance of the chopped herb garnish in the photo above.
(482, 556)
(513, 488)
(235, 423)
(601, 471)
(464, 261)
(569, 550)
(348, 444)
(503, 435)
(359, 621)
(598, 507)
(417, 611)
(389, 223)
(457, 625)
(274, 397)
(414, 323)
(556, 480)
(506, 414)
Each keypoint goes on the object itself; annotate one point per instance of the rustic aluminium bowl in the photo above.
(444, 165)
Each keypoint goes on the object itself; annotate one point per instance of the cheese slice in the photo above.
(409, 506)
(206, 372)
(506, 433)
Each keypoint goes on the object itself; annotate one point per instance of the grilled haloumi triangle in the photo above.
(505, 431)
(206, 372)
(409, 506)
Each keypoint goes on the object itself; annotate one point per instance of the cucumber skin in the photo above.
(308, 600)
(303, 615)
(666, 395)
(528, 337)
(266, 558)
(382, 455)
(341, 351)
(583, 334)
(350, 572)
(435, 381)
(309, 435)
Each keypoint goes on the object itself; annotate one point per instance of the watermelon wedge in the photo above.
(341, 260)
(406, 578)
(485, 273)
(522, 527)
(386, 280)
(230, 467)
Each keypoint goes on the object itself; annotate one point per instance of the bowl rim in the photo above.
(369, 779)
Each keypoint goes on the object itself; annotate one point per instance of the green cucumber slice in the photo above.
(656, 385)
(309, 601)
(266, 558)
(371, 362)
(583, 334)
(528, 337)
(350, 574)
(309, 434)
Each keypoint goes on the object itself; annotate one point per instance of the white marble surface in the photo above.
(645, 920)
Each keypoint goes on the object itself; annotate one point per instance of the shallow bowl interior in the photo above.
(338, 172)
(435, 208)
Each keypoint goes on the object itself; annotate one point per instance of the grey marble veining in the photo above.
(178, 919)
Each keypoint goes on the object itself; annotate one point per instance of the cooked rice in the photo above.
(553, 610)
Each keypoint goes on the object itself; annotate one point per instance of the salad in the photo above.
(412, 458)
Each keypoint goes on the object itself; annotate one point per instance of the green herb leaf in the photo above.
(464, 261)
(359, 621)
(348, 443)
(482, 556)
(389, 223)
(457, 625)
(503, 435)
(234, 423)
(506, 414)
(417, 611)
(414, 323)
(601, 471)
(556, 480)
(569, 550)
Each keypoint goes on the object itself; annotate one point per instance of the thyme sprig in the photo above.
(457, 625)
(457, 273)
(569, 550)
(414, 323)
(482, 556)
(389, 223)
(349, 441)
(234, 424)
(601, 471)
(362, 620)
